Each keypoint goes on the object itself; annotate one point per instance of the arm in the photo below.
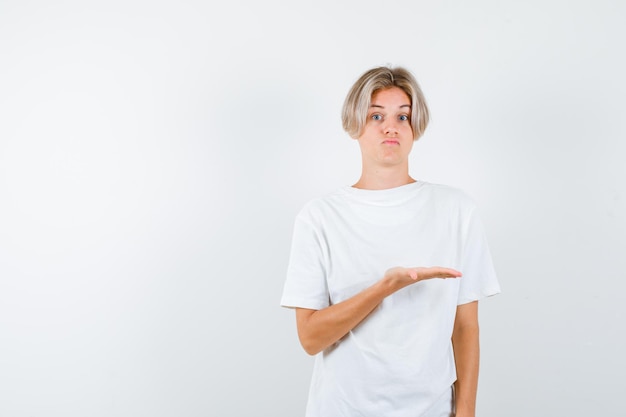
(466, 356)
(318, 329)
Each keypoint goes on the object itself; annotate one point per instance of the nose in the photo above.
(390, 127)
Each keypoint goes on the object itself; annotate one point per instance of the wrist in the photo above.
(387, 285)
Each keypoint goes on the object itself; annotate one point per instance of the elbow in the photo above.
(309, 332)
(311, 352)
(310, 341)
(309, 346)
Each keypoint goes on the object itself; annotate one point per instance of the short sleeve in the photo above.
(305, 285)
(479, 277)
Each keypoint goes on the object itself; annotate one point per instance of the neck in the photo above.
(382, 179)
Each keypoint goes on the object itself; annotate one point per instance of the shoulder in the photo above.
(318, 208)
(449, 195)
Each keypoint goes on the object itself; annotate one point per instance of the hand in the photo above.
(401, 277)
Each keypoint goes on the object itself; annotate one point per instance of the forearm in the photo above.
(318, 329)
(465, 340)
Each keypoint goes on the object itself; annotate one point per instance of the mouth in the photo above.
(391, 142)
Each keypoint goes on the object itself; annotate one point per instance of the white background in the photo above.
(154, 154)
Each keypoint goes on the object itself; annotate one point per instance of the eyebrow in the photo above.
(382, 107)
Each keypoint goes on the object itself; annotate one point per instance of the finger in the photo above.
(437, 272)
(449, 272)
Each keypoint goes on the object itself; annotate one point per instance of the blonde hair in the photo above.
(359, 99)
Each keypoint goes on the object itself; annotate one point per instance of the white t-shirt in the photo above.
(399, 360)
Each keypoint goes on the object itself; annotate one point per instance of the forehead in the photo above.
(391, 97)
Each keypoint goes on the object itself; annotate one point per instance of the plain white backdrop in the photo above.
(154, 154)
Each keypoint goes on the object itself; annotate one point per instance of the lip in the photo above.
(391, 142)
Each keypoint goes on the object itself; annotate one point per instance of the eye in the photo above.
(376, 116)
(404, 118)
